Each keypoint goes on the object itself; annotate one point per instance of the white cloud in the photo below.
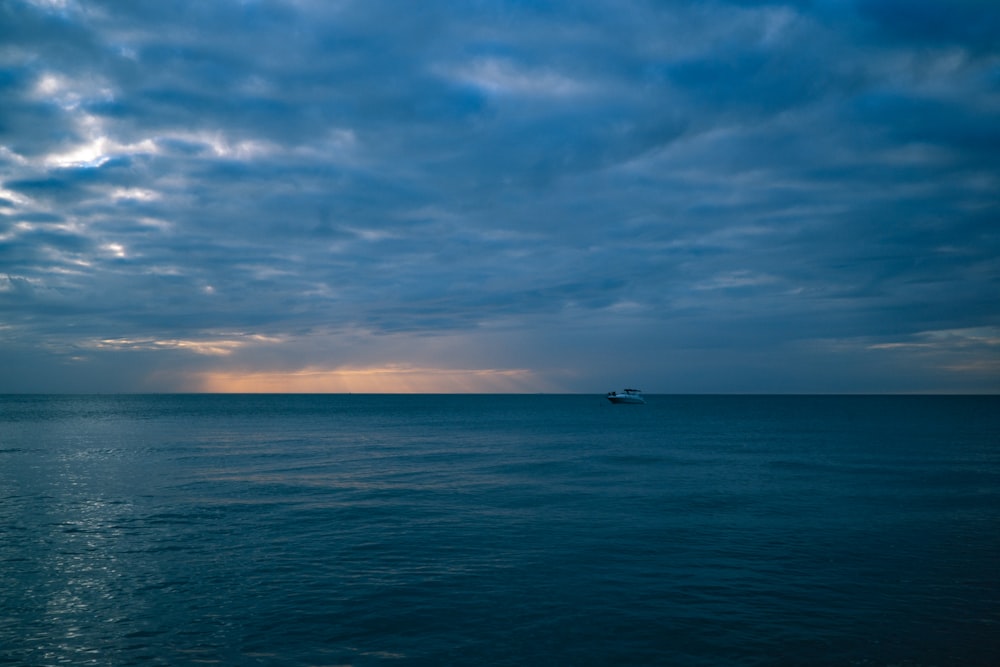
(503, 77)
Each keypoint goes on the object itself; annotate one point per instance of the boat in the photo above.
(633, 396)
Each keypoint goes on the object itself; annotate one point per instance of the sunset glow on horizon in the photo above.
(382, 380)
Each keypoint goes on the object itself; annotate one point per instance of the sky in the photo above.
(500, 196)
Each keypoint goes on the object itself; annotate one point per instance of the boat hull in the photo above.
(626, 400)
(630, 396)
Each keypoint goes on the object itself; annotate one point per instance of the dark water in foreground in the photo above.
(499, 530)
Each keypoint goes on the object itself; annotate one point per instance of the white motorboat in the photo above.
(633, 396)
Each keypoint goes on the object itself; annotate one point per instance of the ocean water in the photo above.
(499, 530)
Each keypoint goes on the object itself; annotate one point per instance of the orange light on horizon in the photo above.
(376, 380)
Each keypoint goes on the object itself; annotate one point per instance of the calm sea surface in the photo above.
(499, 530)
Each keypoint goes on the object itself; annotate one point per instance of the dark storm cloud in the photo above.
(971, 24)
(583, 189)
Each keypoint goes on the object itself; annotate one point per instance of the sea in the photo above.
(499, 530)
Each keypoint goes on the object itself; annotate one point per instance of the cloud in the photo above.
(575, 191)
(971, 24)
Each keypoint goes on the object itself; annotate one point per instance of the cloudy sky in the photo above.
(500, 195)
